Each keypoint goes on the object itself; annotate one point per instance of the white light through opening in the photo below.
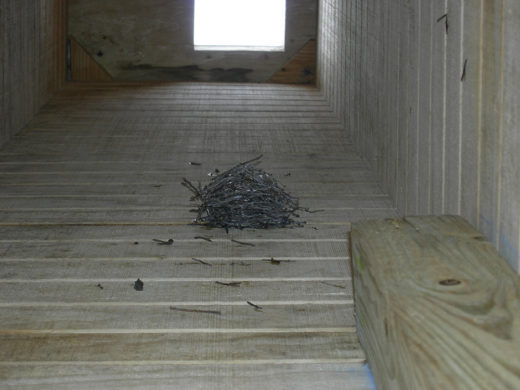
(239, 25)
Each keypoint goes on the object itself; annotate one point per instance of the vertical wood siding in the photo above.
(32, 59)
(428, 92)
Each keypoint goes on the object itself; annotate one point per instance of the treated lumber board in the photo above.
(83, 65)
(194, 347)
(434, 295)
(299, 374)
(45, 318)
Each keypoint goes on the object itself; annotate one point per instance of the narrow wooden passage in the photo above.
(96, 177)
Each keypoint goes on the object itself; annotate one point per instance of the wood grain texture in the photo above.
(32, 59)
(433, 113)
(434, 295)
(96, 177)
(283, 374)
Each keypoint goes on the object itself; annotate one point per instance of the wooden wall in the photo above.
(153, 40)
(32, 62)
(429, 93)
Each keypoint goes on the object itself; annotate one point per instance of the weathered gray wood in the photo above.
(453, 147)
(100, 170)
(136, 233)
(32, 62)
(42, 317)
(471, 98)
(424, 118)
(187, 248)
(167, 290)
(435, 296)
(217, 268)
(509, 237)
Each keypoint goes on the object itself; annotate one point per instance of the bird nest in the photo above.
(244, 197)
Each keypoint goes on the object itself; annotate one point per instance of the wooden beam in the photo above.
(83, 66)
(436, 306)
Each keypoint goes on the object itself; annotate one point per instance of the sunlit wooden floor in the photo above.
(96, 177)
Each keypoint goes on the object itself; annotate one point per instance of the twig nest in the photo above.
(244, 197)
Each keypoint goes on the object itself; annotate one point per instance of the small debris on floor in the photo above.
(272, 260)
(334, 285)
(230, 284)
(287, 174)
(242, 243)
(201, 261)
(100, 286)
(243, 197)
(162, 242)
(203, 238)
(138, 285)
(193, 163)
(257, 308)
(136, 243)
(217, 312)
(157, 185)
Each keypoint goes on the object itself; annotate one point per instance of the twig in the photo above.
(312, 211)
(203, 238)
(193, 163)
(445, 17)
(255, 306)
(333, 285)
(186, 183)
(463, 77)
(162, 242)
(252, 160)
(272, 260)
(201, 261)
(230, 284)
(217, 312)
(242, 243)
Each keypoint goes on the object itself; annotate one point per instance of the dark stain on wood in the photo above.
(187, 73)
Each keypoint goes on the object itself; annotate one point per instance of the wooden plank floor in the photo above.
(96, 177)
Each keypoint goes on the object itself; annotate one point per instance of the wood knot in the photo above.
(449, 282)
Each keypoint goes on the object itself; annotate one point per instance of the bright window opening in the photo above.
(239, 25)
